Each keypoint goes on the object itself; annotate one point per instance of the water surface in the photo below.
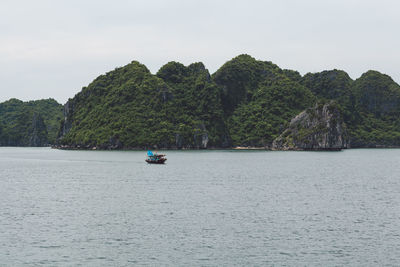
(202, 208)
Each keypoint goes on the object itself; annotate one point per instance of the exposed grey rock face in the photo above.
(178, 140)
(204, 140)
(67, 123)
(318, 128)
(200, 139)
(38, 134)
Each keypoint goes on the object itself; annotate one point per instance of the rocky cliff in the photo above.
(130, 108)
(318, 128)
(245, 103)
(66, 123)
(38, 131)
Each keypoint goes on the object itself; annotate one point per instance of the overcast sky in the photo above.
(52, 48)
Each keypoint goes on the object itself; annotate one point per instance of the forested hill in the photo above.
(32, 123)
(370, 105)
(246, 102)
(130, 107)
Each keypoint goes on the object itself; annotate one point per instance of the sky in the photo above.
(53, 48)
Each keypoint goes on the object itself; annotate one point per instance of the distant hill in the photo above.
(33, 123)
(246, 102)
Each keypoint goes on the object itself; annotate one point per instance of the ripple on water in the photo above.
(90, 208)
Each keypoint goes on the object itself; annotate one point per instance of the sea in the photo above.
(201, 208)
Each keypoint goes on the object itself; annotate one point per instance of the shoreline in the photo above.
(238, 148)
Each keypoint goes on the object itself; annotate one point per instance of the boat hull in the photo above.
(159, 161)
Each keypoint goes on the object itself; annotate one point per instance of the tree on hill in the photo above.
(33, 123)
(246, 102)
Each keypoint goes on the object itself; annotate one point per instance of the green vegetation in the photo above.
(240, 78)
(370, 105)
(33, 123)
(130, 107)
(259, 99)
(246, 102)
(259, 121)
(377, 107)
(333, 84)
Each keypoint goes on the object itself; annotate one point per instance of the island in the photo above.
(245, 103)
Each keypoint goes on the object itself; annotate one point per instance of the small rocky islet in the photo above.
(245, 103)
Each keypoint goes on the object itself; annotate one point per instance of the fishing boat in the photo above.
(154, 158)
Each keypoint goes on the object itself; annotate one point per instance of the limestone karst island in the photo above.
(245, 103)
